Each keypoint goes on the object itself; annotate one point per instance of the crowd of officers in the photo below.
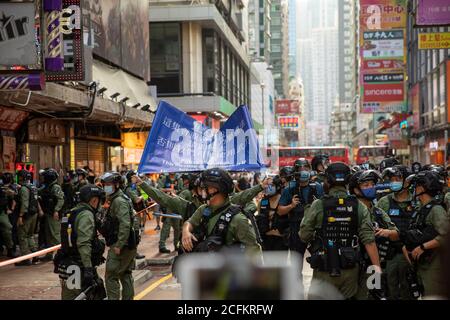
(354, 222)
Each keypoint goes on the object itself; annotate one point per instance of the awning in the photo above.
(116, 80)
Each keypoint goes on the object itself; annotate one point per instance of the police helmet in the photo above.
(396, 171)
(219, 179)
(439, 169)
(319, 159)
(337, 174)
(353, 181)
(89, 191)
(416, 167)
(356, 168)
(388, 163)
(81, 172)
(369, 175)
(243, 184)
(431, 181)
(286, 172)
(129, 174)
(50, 175)
(192, 181)
(301, 162)
(25, 175)
(111, 177)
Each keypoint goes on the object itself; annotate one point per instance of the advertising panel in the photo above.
(288, 122)
(286, 106)
(433, 12)
(18, 34)
(435, 40)
(414, 107)
(112, 24)
(382, 52)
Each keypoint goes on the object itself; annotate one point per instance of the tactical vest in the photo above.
(340, 220)
(296, 214)
(215, 240)
(419, 220)
(110, 227)
(48, 199)
(400, 217)
(137, 206)
(266, 223)
(33, 207)
(69, 238)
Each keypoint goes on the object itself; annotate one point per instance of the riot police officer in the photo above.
(274, 228)
(424, 239)
(362, 185)
(6, 195)
(121, 235)
(218, 223)
(52, 202)
(334, 227)
(296, 199)
(400, 208)
(68, 190)
(80, 179)
(388, 163)
(28, 212)
(134, 194)
(80, 245)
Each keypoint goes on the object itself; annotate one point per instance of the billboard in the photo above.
(112, 24)
(414, 100)
(434, 40)
(433, 12)
(288, 122)
(18, 34)
(383, 55)
(286, 106)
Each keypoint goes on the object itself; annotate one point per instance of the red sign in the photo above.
(11, 119)
(385, 92)
(286, 106)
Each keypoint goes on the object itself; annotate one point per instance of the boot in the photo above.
(164, 250)
(139, 256)
(23, 263)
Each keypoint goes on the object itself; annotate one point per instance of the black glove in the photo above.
(88, 277)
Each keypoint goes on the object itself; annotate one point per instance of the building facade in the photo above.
(279, 53)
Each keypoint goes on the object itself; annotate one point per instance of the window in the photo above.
(165, 57)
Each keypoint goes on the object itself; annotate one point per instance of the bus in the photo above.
(372, 154)
(287, 155)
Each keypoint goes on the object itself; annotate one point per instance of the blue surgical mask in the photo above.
(396, 186)
(109, 190)
(133, 186)
(270, 190)
(369, 193)
(304, 176)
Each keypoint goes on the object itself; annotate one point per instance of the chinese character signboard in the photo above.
(435, 40)
(286, 106)
(288, 122)
(11, 119)
(433, 12)
(382, 52)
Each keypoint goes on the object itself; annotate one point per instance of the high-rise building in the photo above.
(279, 53)
(199, 56)
(292, 9)
(318, 59)
(259, 28)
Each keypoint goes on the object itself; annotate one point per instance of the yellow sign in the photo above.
(134, 140)
(434, 40)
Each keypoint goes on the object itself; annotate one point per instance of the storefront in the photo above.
(133, 144)
(93, 144)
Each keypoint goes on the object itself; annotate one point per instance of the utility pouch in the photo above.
(318, 261)
(348, 257)
(333, 263)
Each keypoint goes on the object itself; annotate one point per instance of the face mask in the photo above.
(396, 186)
(109, 190)
(133, 186)
(270, 190)
(304, 176)
(369, 193)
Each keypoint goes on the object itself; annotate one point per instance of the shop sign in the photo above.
(286, 106)
(46, 130)
(435, 40)
(11, 119)
(434, 146)
(433, 12)
(9, 153)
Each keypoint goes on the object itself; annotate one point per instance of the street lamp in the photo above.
(262, 84)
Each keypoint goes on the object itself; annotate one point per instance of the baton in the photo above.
(145, 209)
(83, 295)
(174, 216)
